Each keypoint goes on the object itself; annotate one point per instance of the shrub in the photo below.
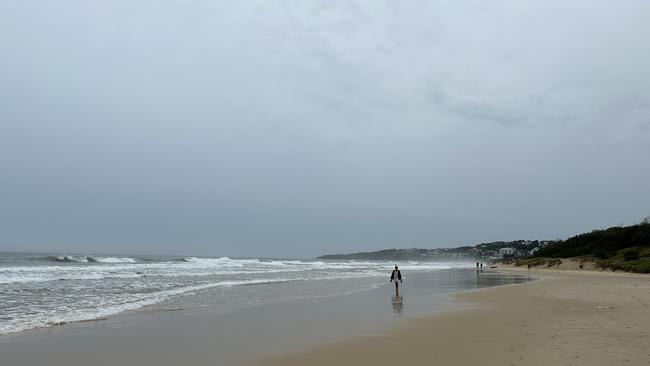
(602, 253)
(553, 262)
(631, 255)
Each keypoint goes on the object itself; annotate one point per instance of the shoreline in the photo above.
(202, 334)
(565, 318)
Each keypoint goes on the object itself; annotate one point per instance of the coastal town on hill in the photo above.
(487, 251)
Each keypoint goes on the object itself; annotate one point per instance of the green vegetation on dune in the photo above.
(602, 244)
(629, 260)
(617, 248)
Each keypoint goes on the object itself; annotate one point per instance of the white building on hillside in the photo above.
(506, 251)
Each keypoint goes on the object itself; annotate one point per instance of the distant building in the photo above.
(506, 251)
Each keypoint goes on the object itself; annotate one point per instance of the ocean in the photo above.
(45, 290)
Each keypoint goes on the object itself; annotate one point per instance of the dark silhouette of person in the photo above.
(396, 276)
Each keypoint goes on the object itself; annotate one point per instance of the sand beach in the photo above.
(567, 318)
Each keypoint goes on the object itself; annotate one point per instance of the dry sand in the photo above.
(568, 318)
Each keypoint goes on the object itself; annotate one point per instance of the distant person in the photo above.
(477, 266)
(481, 265)
(396, 276)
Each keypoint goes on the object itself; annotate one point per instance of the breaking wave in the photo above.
(88, 259)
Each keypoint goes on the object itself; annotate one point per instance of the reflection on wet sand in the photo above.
(489, 278)
(397, 301)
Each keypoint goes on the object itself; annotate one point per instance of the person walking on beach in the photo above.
(396, 276)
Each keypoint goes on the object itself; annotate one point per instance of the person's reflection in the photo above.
(397, 302)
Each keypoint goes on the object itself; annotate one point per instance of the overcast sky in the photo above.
(297, 128)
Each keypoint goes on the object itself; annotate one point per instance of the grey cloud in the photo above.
(297, 128)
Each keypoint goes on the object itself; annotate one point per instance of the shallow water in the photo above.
(43, 290)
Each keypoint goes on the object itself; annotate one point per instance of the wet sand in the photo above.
(568, 318)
